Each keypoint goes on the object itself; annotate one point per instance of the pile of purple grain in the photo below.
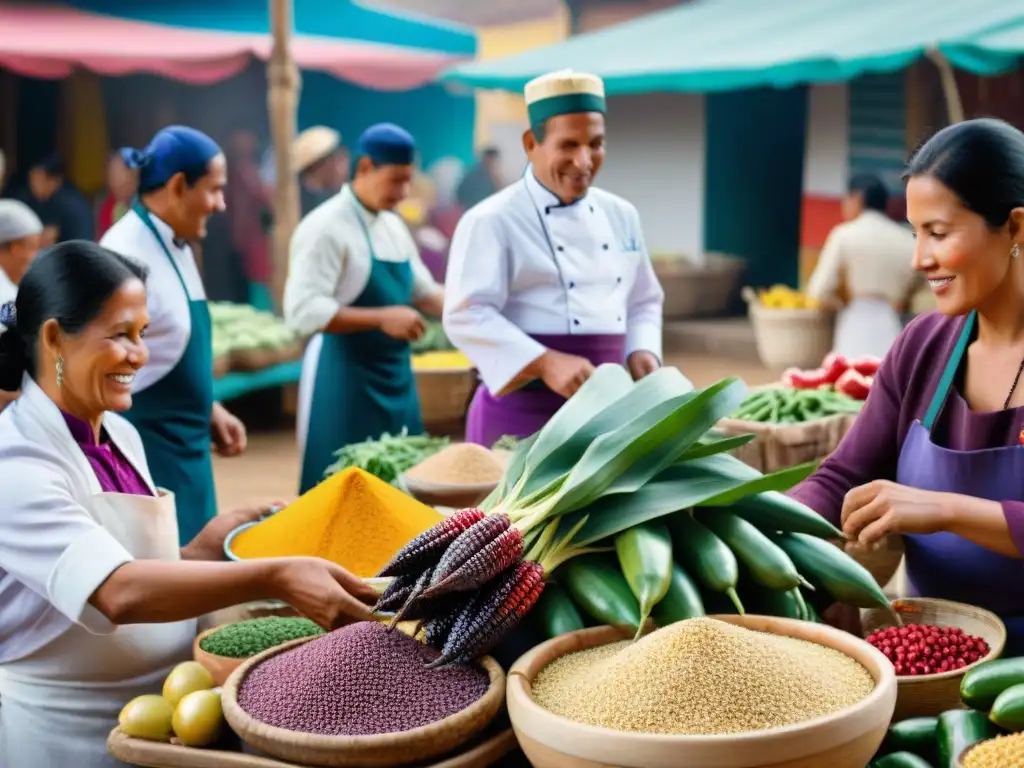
(360, 680)
(466, 581)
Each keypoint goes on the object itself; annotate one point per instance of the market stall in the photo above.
(673, 592)
(252, 350)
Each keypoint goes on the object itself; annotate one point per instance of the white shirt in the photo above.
(507, 280)
(8, 292)
(170, 326)
(53, 552)
(330, 260)
(872, 254)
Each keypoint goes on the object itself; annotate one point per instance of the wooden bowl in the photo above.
(454, 496)
(219, 667)
(931, 695)
(845, 739)
(381, 751)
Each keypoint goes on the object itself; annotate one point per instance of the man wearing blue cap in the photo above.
(354, 278)
(550, 278)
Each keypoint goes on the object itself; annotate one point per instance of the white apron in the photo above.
(866, 327)
(60, 703)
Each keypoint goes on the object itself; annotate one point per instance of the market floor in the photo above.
(269, 469)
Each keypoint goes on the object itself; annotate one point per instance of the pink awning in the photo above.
(50, 41)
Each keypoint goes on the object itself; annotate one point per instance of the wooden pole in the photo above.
(284, 84)
(954, 104)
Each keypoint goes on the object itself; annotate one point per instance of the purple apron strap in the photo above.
(522, 413)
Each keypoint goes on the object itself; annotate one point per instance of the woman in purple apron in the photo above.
(549, 278)
(937, 453)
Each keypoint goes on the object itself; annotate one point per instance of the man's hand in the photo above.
(228, 432)
(402, 323)
(642, 363)
(209, 542)
(564, 373)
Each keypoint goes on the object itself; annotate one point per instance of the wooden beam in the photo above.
(284, 85)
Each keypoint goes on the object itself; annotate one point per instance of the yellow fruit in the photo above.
(198, 719)
(147, 717)
(184, 679)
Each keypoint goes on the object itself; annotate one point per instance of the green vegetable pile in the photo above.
(240, 327)
(389, 457)
(782, 405)
(248, 638)
(433, 340)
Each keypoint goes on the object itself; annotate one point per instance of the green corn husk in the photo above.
(645, 556)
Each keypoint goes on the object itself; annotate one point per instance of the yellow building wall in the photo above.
(495, 107)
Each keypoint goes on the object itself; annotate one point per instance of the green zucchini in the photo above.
(787, 605)
(645, 556)
(556, 613)
(1008, 709)
(774, 511)
(843, 577)
(768, 564)
(682, 601)
(959, 729)
(915, 735)
(705, 556)
(900, 760)
(982, 684)
(598, 587)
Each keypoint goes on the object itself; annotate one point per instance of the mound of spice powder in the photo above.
(359, 680)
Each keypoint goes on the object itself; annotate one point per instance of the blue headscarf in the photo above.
(387, 144)
(175, 149)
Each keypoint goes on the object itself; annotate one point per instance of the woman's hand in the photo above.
(872, 511)
(227, 431)
(322, 591)
(209, 543)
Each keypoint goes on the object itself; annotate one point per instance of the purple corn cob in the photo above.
(501, 627)
(427, 548)
(469, 543)
(410, 601)
(397, 592)
(481, 567)
(440, 625)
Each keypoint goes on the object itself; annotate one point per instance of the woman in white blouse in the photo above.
(97, 600)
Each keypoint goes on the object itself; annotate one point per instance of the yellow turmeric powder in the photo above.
(353, 519)
(441, 361)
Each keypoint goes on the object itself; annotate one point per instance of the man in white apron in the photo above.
(550, 277)
(871, 255)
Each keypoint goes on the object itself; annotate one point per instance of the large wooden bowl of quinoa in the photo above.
(845, 738)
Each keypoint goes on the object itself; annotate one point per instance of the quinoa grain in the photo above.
(1000, 752)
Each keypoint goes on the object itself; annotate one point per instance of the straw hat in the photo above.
(313, 145)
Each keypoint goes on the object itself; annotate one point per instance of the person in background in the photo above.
(482, 181)
(355, 283)
(99, 597)
(870, 255)
(550, 277)
(936, 454)
(3, 171)
(21, 234)
(64, 212)
(248, 208)
(322, 163)
(182, 175)
(122, 183)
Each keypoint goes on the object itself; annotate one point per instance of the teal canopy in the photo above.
(724, 45)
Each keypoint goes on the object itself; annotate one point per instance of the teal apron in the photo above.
(173, 417)
(364, 383)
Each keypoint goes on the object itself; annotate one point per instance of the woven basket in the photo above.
(931, 695)
(249, 360)
(693, 290)
(445, 394)
(779, 446)
(221, 366)
(788, 338)
(382, 751)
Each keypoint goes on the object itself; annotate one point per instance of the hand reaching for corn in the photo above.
(321, 591)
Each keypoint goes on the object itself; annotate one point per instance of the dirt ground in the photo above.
(269, 469)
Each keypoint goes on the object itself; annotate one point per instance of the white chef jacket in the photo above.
(170, 326)
(8, 292)
(53, 553)
(521, 263)
(330, 260)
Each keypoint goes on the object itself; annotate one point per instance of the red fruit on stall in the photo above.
(855, 385)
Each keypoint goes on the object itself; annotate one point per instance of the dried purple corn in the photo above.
(437, 628)
(483, 621)
(500, 628)
(469, 543)
(427, 548)
(410, 601)
(483, 566)
(397, 592)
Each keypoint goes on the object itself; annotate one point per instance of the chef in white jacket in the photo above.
(550, 277)
(21, 234)
(97, 600)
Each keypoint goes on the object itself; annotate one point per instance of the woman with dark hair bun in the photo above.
(937, 454)
(98, 599)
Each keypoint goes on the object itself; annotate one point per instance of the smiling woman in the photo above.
(937, 454)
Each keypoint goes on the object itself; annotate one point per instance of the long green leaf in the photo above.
(679, 487)
(547, 462)
(782, 480)
(513, 471)
(710, 447)
(624, 460)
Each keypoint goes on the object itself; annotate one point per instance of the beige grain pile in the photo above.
(1000, 752)
(459, 464)
(701, 676)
